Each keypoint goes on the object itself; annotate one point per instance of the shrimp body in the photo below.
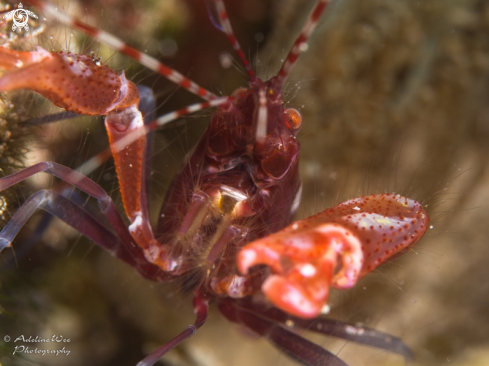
(225, 225)
(232, 189)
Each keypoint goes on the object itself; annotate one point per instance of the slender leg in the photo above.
(201, 311)
(27, 243)
(44, 222)
(78, 218)
(104, 202)
(294, 345)
(363, 335)
(79, 181)
(70, 213)
(358, 334)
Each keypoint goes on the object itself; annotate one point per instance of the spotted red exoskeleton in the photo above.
(226, 219)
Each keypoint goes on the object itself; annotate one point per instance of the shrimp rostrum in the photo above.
(226, 219)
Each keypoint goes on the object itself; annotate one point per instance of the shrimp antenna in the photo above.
(94, 162)
(114, 42)
(300, 44)
(219, 18)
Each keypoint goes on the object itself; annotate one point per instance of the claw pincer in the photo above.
(77, 83)
(83, 85)
(333, 248)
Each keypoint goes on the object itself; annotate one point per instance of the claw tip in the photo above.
(246, 259)
(291, 297)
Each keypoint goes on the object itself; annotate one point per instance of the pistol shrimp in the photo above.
(225, 224)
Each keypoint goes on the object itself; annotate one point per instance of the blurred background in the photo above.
(394, 97)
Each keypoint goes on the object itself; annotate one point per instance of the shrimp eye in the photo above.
(294, 119)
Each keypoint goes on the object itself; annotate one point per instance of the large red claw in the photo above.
(77, 83)
(333, 248)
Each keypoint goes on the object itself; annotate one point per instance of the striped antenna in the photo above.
(219, 17)
(300, 45)
(108, 39)
(96, 161)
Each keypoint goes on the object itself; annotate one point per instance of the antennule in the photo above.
(300, 44)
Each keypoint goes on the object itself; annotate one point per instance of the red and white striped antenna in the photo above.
(93, 163)
(221, 22)
(300, 44)
(114, 42)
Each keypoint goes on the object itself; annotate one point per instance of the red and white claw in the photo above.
(333, 248)
(83, 85)
(78, 83)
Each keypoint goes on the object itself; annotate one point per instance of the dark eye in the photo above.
(294, 119)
